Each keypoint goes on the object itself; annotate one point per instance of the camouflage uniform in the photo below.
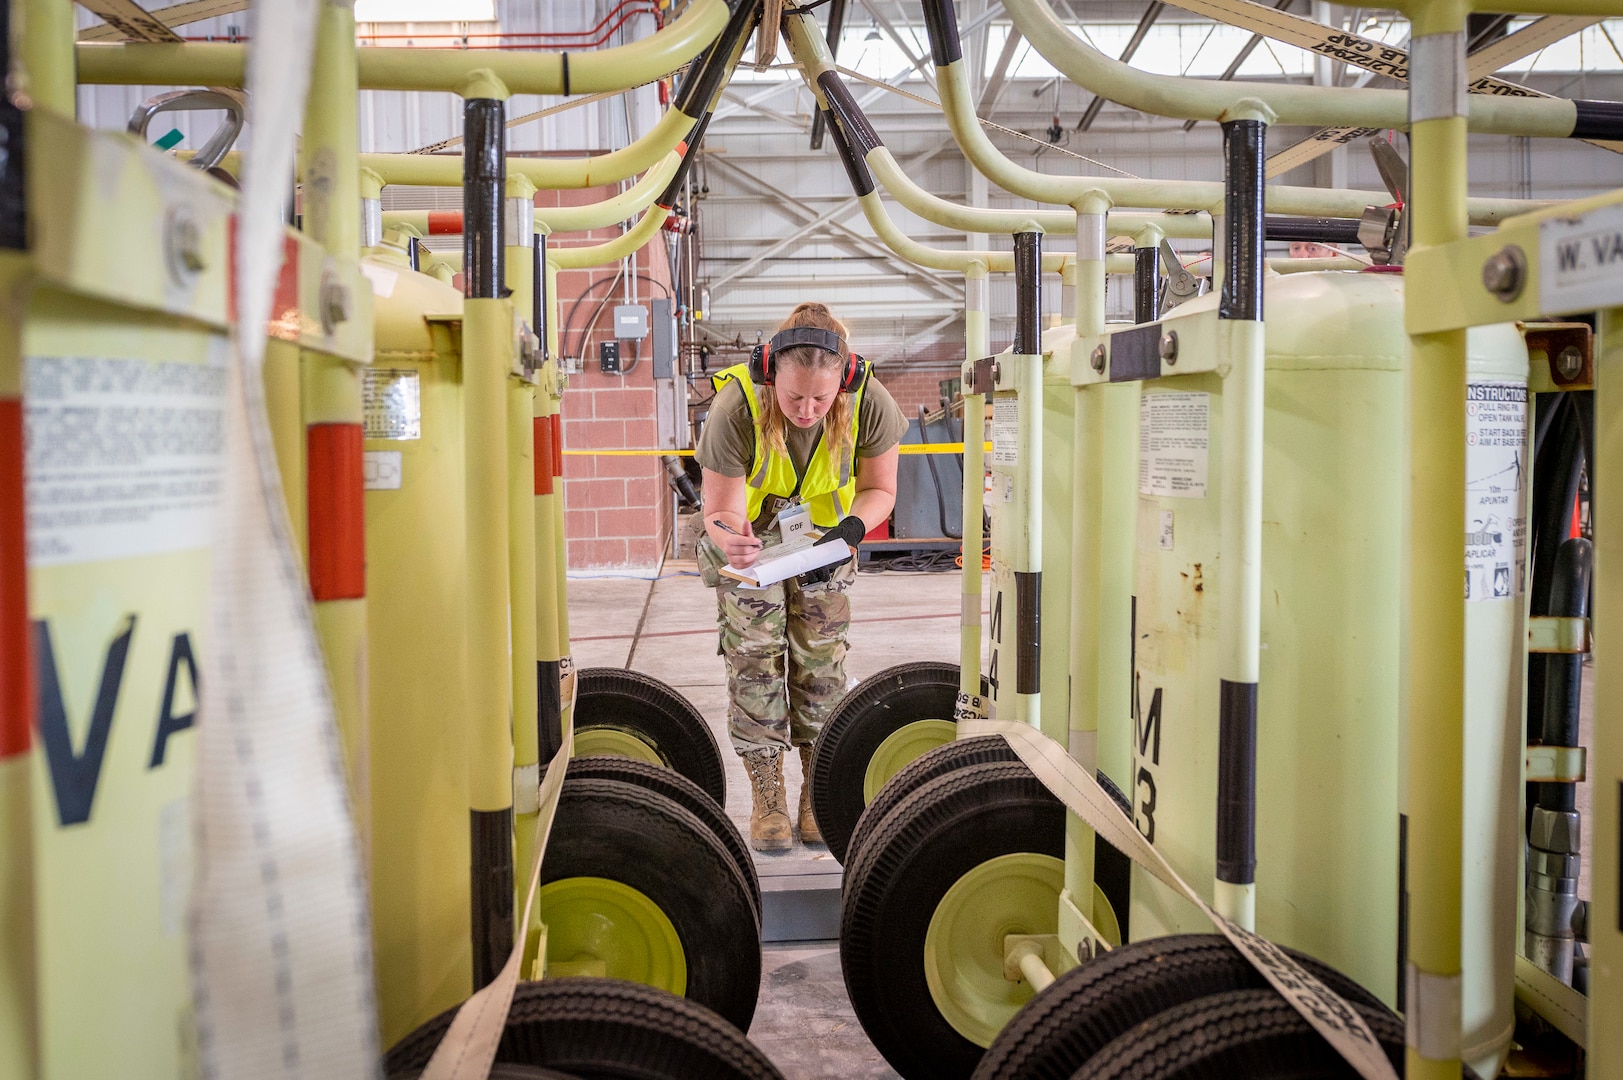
(785, 649)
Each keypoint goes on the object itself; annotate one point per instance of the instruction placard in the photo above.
(392, 403)
(1006, 432)
(1174, 433)
(123, 456)
(1495, 490)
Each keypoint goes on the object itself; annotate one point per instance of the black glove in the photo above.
(850, 530)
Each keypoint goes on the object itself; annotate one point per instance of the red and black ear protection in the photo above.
(761, 367)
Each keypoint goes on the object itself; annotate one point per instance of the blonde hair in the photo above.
(837, 421)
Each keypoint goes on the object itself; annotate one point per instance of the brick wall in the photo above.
(617, 509)
(916, 384)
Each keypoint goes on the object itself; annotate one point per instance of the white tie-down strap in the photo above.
(526, 789)
(1433, 1014)
(1329, 1013)
(469, 1047)
(281, 959)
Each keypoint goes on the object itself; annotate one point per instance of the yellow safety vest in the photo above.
(827, 488)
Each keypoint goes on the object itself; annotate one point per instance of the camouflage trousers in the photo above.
(785, 651)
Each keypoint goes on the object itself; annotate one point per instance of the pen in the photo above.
(722, 525)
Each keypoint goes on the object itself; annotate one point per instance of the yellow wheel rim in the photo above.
(963, 947)
(596, 926)
(906, 743)
(615, 742)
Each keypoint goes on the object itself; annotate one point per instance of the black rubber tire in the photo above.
(606, 1029)
(503, 1071)
(1111, 869)
(618, 830)
(1062, 1028)
(930, 840)
(673, 785)
(1244, 1033)
(656, 713)
(866, 717)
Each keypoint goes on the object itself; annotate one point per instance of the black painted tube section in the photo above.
(667, 198)
(1028, 632)
(1244, 151)
(1312, 230)
(941, 23)
(1028, 293)
(484, 182)
(705, 75)
(491, 896)
(1564, 673)
(836, 29)
(843, 106)
(1403, 908)
(1237, 783)
(539, 300)
(13, 193)
(1146, 285)
(1598, 120)
(856, 168)
(549, 704)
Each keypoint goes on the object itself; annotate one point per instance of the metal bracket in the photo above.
(983, 376)
(1568, 634)
(1565, 350)
(1556, 764)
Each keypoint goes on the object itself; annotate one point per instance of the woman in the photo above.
(801, 431)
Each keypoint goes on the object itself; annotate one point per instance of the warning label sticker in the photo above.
(123, 457)
(381, 470)
(1006, 432)
(1495, 490)
(392, 403)
(1173, 437)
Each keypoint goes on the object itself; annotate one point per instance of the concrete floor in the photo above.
(667, 628)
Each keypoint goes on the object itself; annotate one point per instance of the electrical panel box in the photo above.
(664, 354)
(630, 322)
(608, 357)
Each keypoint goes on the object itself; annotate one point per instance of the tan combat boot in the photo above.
(770, 829)
(809, 832)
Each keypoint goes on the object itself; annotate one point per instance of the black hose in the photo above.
(1545, 409)
(1564, 672)
(935, 478)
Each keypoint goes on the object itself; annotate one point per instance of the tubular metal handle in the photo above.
(213, 151)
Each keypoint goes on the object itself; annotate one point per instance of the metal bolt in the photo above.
(1505, 272)
(1169, 347)
(1569, 362)
(183, 244)
(335, 304)
(1099, 359)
